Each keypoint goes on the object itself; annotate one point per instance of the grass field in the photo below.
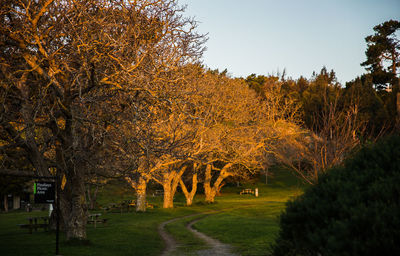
(247, 223)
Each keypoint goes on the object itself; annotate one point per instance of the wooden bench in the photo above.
(34, 225)
(119, 207)
(126, 205)
(247, 191)
(94, 219)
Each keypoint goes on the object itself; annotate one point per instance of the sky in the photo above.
(301, 36)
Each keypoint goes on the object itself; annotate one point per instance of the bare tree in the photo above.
(311, 152)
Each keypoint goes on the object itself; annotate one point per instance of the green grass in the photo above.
(250, 230)
(247, 223)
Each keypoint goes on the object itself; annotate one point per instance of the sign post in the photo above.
(45, 193)
(58, 214)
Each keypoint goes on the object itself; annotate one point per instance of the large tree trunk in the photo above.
(73, 206)
(189, 195)
(168, 197)
(140, 186)
(208, 192)
(170, 183)
(211, 191)
(141, 195)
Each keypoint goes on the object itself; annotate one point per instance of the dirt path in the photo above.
(216, 248)
(170, 242)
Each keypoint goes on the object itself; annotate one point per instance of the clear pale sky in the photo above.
(264, 36)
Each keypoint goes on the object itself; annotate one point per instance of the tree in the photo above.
(64, 66)
(383, 54)
(192, 176)
(159, 140)
(330, 129)
(372, 110)
(235, 124)
(229, 139)
(383, 60)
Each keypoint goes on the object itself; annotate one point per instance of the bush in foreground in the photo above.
(353, 210)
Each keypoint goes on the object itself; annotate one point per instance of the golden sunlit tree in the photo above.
(229, 139)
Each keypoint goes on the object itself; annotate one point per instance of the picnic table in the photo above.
(250, 191)
(247, 191)
(35, 223)
(95, 218)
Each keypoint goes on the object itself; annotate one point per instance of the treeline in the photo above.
(98, 90)
(321, 94)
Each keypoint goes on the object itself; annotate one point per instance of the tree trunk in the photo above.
(189, 195)
(73, 206)
(170, 183)
(218, 189)
(5, 203)
(210, 194)
(94, 198)
(141, 195)
(168, 197)
(89, 196)
(140, 186)
(210, 191)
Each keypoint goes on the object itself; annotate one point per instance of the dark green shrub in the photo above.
(353, 210)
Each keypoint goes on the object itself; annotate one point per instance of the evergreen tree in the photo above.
(383, 54)
(353, 210)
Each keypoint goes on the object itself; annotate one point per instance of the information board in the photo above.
(44, 192)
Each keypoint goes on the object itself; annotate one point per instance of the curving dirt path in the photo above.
(170, 242)
(216, 248)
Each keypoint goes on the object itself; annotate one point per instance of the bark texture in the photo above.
(211, 191)
(73, 207)
(140, 186)
(141, 195)
(189, 195)
(170, 182)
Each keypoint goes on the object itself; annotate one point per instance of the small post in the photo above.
(50, 209)
(57, 213)
(256, 192)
